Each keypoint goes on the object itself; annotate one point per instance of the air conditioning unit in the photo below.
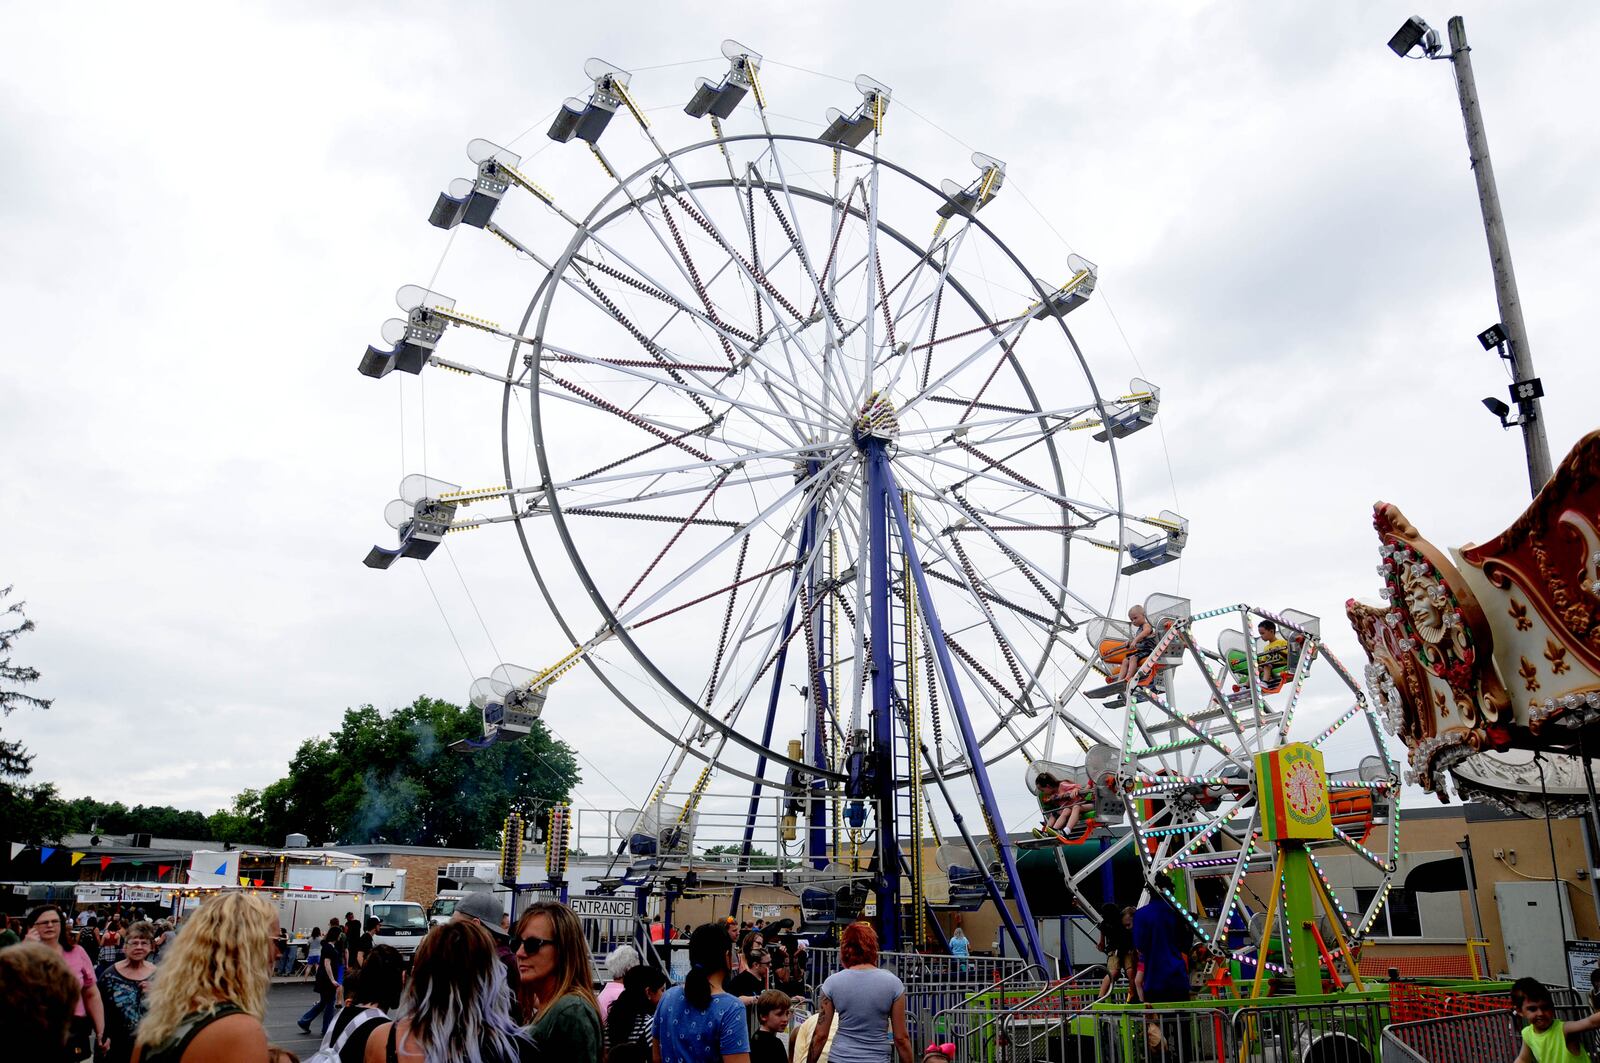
(382, 877)
(140, 841)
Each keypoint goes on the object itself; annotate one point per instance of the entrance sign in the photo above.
(591, 906)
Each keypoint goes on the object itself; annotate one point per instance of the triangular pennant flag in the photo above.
(45, 853)
(138, 863)
(105, 862)
(161, 872)
(17, 847)
(76, 857)
(243, 881)
(222, 868)
(306, 888)
(255, 882)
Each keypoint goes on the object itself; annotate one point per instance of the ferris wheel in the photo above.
(1217, 784)
(820, 484)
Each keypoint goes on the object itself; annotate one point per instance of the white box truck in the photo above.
(404, 924)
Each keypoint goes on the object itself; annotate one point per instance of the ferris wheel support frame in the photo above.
(1027, 936)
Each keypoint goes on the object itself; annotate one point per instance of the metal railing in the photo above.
(952, 990)
(1039, 1027)
(1346, 1031)
(1195, 1034)
(970, 1022)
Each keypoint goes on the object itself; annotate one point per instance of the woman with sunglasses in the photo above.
(557, 984)
(48, 926)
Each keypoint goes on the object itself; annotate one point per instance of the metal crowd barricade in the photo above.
(1051, 1024)
(1331, 1031)
(1475, 1037)
(1194, 1034)
(971, 1021)
(941, 984)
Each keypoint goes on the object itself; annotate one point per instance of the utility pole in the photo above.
(1505, 280)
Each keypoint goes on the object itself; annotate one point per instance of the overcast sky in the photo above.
(208, 208)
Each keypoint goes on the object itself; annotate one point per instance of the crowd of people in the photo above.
(478, 989)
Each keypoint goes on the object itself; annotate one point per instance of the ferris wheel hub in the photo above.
(877, 420)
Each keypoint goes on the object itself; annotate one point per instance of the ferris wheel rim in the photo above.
(591, 223)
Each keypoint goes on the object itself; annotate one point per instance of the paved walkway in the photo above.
(287, 1002)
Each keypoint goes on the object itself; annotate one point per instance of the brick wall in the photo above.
(422, 875)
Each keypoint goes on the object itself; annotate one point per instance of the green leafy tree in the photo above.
(31, 813)
(394, 778)
(729, 854)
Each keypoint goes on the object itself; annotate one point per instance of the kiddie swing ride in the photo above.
(816, 481)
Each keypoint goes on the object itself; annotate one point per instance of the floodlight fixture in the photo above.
(1413, 32)
(1492, 337)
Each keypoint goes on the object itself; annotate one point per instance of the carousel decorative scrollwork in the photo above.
(1492, 648)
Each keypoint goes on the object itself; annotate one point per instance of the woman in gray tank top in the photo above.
(867, 1003)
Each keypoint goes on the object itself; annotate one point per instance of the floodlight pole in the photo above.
(1505, 279)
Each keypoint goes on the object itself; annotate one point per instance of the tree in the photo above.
(15, 762)
(31, 813)
(759, 858)
(394, 779)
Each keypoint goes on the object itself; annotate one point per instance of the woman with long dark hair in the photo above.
(628, 1023)
(557, 984)
(456, 1008)
(697, 1022)
(866, 1002)
(369, 994)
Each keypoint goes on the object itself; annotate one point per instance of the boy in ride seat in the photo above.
(1272, 660)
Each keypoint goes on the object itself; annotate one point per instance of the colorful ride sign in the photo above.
(1293, 790)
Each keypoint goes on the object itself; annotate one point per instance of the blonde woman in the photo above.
(207, 1004)
(557, 988)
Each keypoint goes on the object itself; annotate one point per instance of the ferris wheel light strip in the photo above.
(1328, 890)
(1335, 725)
(1149, 783)
(1376, 860)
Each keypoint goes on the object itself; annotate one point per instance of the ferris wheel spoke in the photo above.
(1031, 570)
(1076, 505)
(696, 393)
(800, 489)
(929, 304)
(803, 571)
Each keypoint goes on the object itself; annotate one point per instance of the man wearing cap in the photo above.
(484, 909)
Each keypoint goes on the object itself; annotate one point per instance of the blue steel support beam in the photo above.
(1027, 936)
(817, 819)
(879, 489)
(772, 705)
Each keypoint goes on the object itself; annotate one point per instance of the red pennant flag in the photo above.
(161, 872)
(255, 882)
(105, 862)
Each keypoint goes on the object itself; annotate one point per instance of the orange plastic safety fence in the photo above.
(1408, 1003)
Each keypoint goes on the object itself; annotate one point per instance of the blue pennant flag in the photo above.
(222, 868)
(45, 853)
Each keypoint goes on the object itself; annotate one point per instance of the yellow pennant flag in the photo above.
(76, 857)
(243, 881)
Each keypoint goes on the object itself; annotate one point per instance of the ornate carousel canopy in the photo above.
(1485, 659)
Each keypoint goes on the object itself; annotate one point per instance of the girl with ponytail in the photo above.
(697, 1022)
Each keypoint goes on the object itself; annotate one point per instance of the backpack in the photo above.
(328, 1051)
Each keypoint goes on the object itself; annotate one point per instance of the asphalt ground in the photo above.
(289, 1000)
